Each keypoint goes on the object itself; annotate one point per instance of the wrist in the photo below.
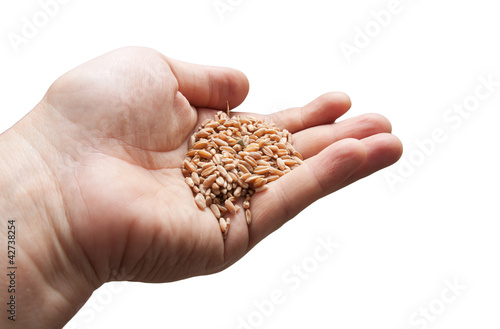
(52, 280)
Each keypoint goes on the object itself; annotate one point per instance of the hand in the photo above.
(93, 176)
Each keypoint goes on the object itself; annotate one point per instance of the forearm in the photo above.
(42, 282)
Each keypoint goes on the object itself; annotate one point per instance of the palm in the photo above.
(127, 118)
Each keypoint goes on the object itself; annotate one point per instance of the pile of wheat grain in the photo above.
(233, 157)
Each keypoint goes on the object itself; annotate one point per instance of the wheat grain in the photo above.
(223, 225)
(231, 158)
(230, 206)
(200, 201)
(248, 216)
(215, 210)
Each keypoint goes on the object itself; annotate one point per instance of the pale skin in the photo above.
(92, 177)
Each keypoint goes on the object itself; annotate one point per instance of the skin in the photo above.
(92, 177)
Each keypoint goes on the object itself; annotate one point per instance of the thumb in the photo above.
(210, 86)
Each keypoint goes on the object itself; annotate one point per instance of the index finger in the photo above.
(323, 110)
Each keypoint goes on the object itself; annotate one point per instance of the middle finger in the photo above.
(311, 141)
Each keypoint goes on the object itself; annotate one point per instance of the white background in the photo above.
(400, 242)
